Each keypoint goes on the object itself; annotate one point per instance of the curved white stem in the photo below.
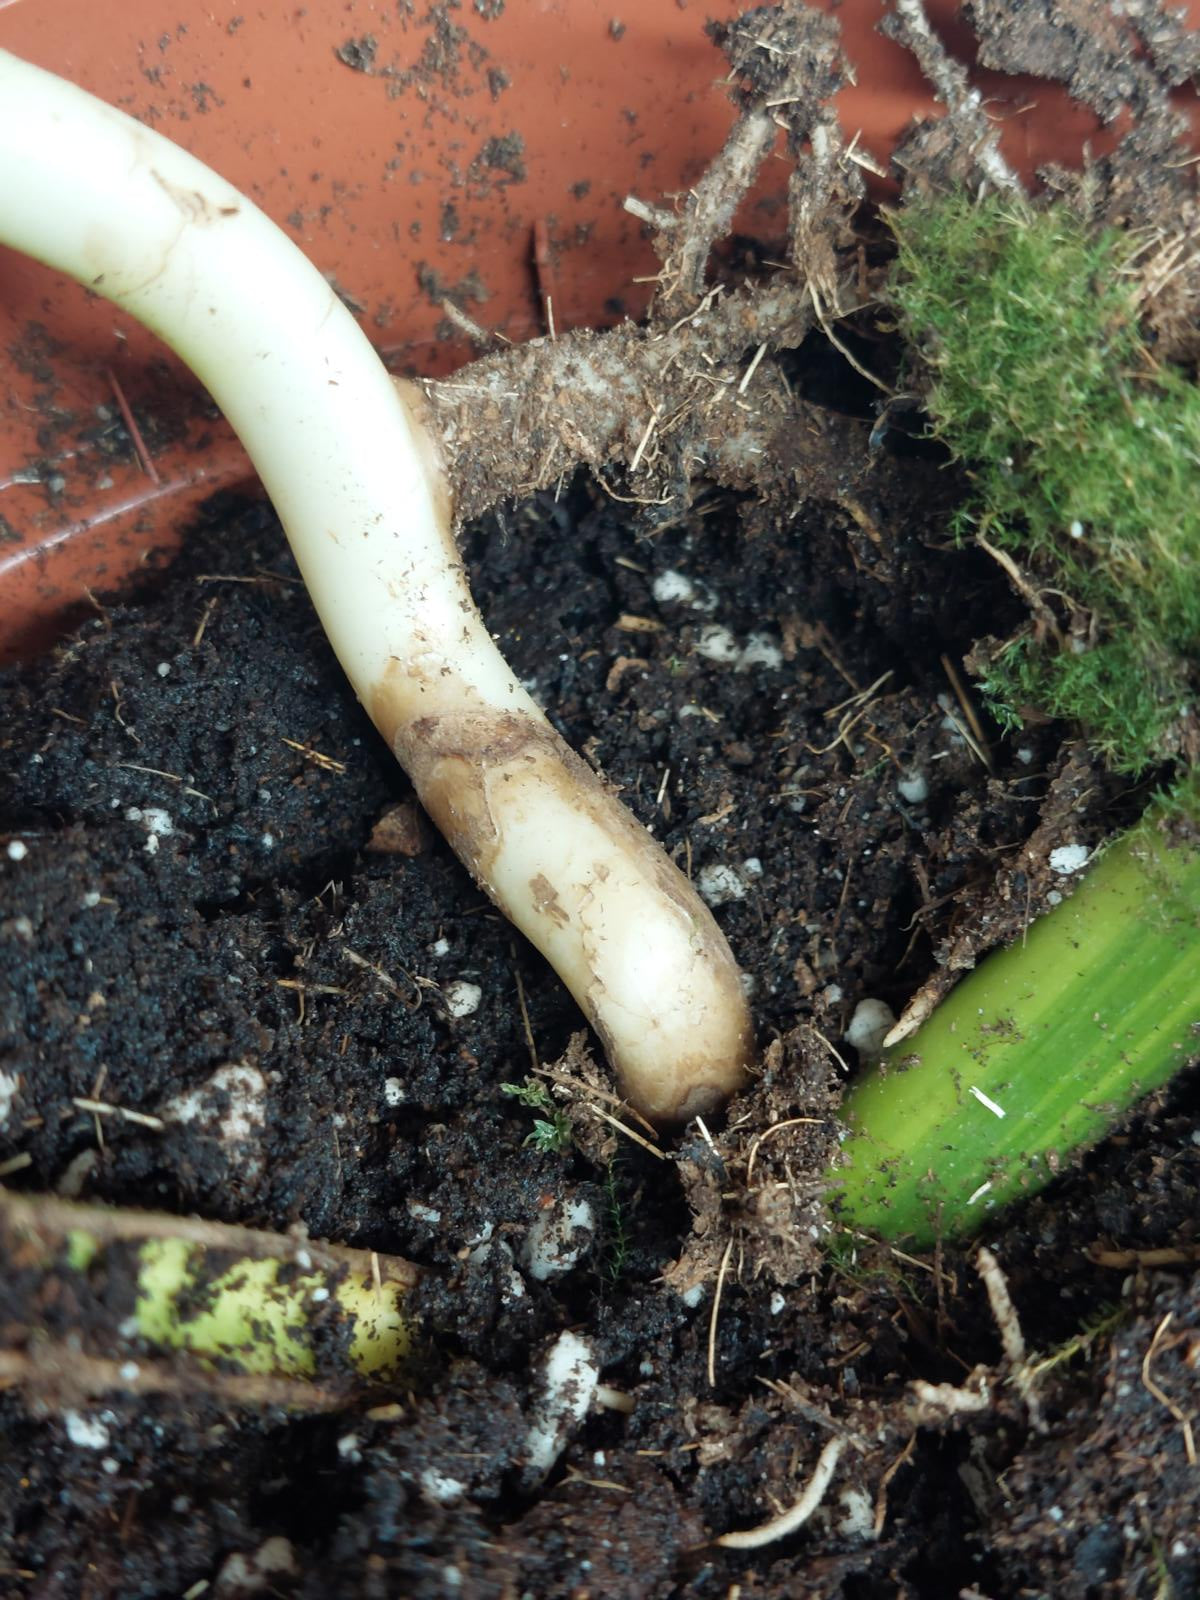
(353, 477)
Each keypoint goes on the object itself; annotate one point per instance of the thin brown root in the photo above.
(968, 711)
(715, 1316)
(1031, 596)
(1160, 1394)
(776, 1127)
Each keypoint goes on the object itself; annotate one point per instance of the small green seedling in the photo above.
(552, 1133)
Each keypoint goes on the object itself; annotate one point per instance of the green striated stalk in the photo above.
(1062, 1032)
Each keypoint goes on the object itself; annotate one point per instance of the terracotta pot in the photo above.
(485, 154)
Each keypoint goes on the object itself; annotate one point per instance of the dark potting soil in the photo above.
(221, 910)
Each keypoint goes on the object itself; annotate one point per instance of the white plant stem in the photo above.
(355, 480)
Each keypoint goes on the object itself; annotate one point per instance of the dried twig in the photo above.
(1163, 1256)
(102, 1108)
(624, 1128)
(979, 741)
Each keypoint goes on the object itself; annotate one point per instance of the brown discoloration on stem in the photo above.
(60, 1374)
(498, 784)
(545, 898)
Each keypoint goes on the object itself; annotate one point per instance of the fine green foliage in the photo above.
(552, 1133)
(617, 1249)
(1083, 451)
(1102, 1324)
(1035, 1056)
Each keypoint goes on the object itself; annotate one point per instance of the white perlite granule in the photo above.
(1069, 858)
(462, 998)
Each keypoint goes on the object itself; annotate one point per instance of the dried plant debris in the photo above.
(1112, 58)
(697, 392)
(1115, 1510)
(960, 148)
(755, 1187)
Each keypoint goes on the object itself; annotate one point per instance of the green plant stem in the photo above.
(1037, 1054)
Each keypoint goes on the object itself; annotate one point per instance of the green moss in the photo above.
(1083, 454)
(1122, 689)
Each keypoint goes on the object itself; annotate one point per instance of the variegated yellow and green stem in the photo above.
(259, 1303)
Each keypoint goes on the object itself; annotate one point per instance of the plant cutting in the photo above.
(353, 453)
(474, 742)
(354, 475)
